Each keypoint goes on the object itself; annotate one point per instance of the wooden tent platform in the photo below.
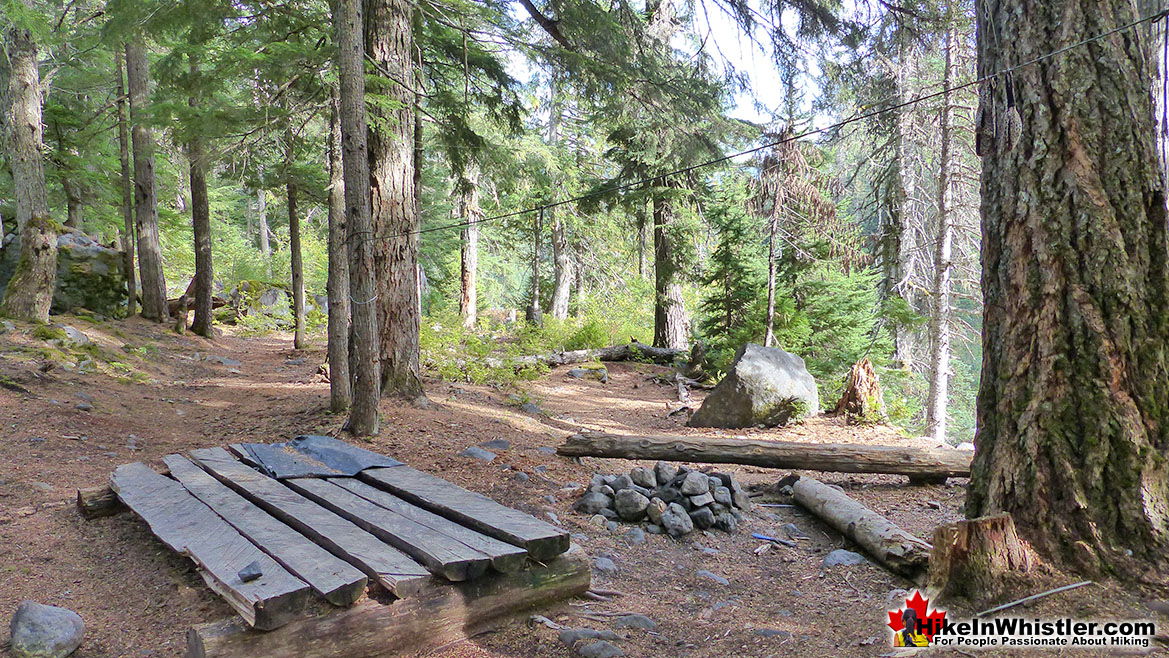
(390, 561)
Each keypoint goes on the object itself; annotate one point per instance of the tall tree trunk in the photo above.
(340, 395)
(74, 206)
(1073, 425)
(363, 415)
(561, 268)
(469, 262)
(145, 194)
(389, 42)
(30, 290)
(642, 226)
(200, 215)
(939, 328)
(533, 313)
(899, 240)
(579, 271)
(127, 190)
(772, 251)
(262, 227)
(671, 322)
(298, 340)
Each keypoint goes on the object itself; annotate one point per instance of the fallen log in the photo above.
(634, 351)
(436, 617)
(918, 463)
(893, 547)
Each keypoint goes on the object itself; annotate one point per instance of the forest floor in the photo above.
(65, 428)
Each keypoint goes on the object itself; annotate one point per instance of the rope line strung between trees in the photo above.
(812, 131)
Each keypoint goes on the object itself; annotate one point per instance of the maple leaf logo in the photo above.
(931, 622)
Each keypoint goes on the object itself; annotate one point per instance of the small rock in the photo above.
(36, 439)
(550, 499)
(773, 632)
(612, 526)
(695, 484)
(792, 531)
(653, 529)
(635, 536)
(43, 486)
(965, 445)
(496, 444)
(703, 518)
(592, 503)
(607, 490)
(531, 408)
(621, 482)
(676, 521)
(299, 361)
(785, 613)
(664, 473)
(597, 482)
(83, 396)
(552, 517)
(841, 557)
(520, 476)
(741, 500)
(609, 514)
(701, 500)
(541, 469)
(83, 406)
(668, 494)
(655, 509)
(726, 522)
(643, 477)
(706, 550)
(251, 572)
(223, 360)
(703, 573)
(74, 335)
(604, 565)
(722, 495)
(598, 520)
(571, 636)
(45, 631)
(475, 452)
(635, 621)
(599, 649)
(630, 505)
(6, 326)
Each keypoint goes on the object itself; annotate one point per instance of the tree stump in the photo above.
(862, 401)
(977, 559)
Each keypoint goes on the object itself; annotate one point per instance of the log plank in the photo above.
(382, 562)
(840, 458)
(542, 540)
(444, 556)
(190, 528)
(505, 557)
(334, 579)
(435, 618)
(96, 502)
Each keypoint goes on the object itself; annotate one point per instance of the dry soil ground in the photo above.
(164, 396)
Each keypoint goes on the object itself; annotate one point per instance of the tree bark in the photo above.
(471, 213)
(297, 265)
(642, 225)
(390, 44)
(128, 239)
(262, 227)
(200, 218)
(939, 328)
(145, 194)
(29, 294)
(579, 273)
(561, 261)
(366, 369)
(899, 237)
(842, 458)
(977, 559)
(340, 395)
(533, 312)
(671, 322)
(772, 251)
(1073, 426)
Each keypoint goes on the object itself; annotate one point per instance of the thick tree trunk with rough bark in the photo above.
(30, 291)
(1073, 425)
(337, 285)
(127, 190)
(200, 220)
(470, 213)
(145, 194)
(366, 369)
(939, 327)
(390, 44)
(671, 322)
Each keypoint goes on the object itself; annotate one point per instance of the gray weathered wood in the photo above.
(334, 579)
(380, 561)
(504, 556)
(841, 458)
(895, 548)
(189, 527)
(474, 510)
(444, 556)
(370, 629)
(96, 502)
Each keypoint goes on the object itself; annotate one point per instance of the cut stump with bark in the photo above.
(893, 547)
(862, 400)
(975, 559)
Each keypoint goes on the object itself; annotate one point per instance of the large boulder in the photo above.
(45, 631)
(89, 274)
(765, 386)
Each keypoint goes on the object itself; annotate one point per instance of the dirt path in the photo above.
(138, 599)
